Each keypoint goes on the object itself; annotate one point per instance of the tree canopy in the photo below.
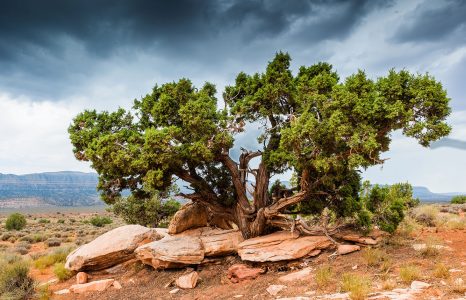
(322, 128)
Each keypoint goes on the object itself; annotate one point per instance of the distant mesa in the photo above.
(69, 189)
(49, 189)
(449, 143)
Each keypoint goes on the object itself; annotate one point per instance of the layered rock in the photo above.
(111, 248)
(190, 247)
(188, 281)
(189, 216)
(282, 245)
(241, 272)
(94, 286)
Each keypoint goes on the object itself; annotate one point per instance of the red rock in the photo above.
(241, 272)
(188, 281)
(189, 216)
(304, 274)
(81, 278)
(345, 249)
(94, 286)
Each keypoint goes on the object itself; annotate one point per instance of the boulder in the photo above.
(94, 286)
(218, 242)
(372, 238)
(172, 252)
(304, 274)
(189, 216)
(241, 272)
(188, 281)
(191, 247)
(111, 248)
(345, 249)
(282, 245)
(81, 278)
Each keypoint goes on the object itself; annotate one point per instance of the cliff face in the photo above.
(51, 188)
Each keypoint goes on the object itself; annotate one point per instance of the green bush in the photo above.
(59, 255)
(99, 221)
(152, 212)
(384, 206)
(15, 282)
(458, 199)
(61, 272)
(44, 221)
(15, 221)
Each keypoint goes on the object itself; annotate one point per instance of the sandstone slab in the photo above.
(304, 274)
(94, 286)
(345, 249)
(218, 242)
(81, 278)
(172, 252)
(111, 248)
(274, 289)
(281, 246)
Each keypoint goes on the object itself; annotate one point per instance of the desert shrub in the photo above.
(151, 212)
(21, 250)
(426, 215)
(323, 276)
(6, 236)
(44, 221)
(407, 227)
(15, 282)
(432, 248)
(53, 242)
(61, 272)
(457, 285)
(100, 221)
(15, 221)
(43, 292)
(61, 221)
(384, 206)
(409, 273)
(38, 238)
(458, 199)
(356, 285)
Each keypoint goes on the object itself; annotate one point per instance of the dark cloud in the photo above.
(449, 143)
(434, 21)
(56, 43)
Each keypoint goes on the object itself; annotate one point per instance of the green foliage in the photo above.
(147, 212)
(61, 272)
(58, 256)
(44, 221)
(100, 221)
(324, 129)
(384, 206)
(15, 221)
(15, 282)
(458, 199)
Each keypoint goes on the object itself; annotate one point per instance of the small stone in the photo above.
(62, 292)
(240, 272)
(345, 249)
(455, 270)
(81, 278)
(310, 293)
(443, 282)
(94, 286)
(117, 285)
(174, 291)
(419, 285)
(304, 274)
(355, 267)
(274, 289)
(188, 281)
(238, 296)
(458, 281)
(295, 298)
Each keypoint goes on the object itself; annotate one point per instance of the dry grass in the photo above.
(324, 276)
(408, 273)
(441, 271)
(375, 257)
(356, 285)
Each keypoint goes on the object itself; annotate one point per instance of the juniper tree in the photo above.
(323, 129)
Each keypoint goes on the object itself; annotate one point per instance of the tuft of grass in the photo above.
(458, 286)
(324, 276)
(358, 286)
(374, 257)
(43, 292)
(431, 249)
(426, 215)
(44, 221)
(441, 271)
(407, 227)
(388, 284)
(15, 282)
(408, 273)
(57, 256)
(61, 272)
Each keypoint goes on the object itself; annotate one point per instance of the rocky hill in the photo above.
(51, 188)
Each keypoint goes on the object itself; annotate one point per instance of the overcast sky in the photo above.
(59, 57)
